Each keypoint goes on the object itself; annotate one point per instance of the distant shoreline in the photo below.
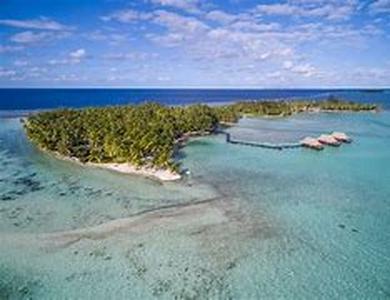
(76, 97)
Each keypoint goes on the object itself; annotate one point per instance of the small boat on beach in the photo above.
(312, 143)
(341, 137)
(328, 139)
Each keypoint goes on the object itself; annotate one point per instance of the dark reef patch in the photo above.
(7, 197)
(14, 286)
(23, 185)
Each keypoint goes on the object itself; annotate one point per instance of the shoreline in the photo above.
(163, 175)
(127, 168)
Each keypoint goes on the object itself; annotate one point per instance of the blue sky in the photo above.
(195, 43)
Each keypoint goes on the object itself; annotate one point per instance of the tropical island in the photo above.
(143, 139)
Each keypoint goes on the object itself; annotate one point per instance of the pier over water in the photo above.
(259, 145)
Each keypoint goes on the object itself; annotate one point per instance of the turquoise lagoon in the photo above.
(246, 223)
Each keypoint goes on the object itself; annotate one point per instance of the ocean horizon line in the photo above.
(205, 87)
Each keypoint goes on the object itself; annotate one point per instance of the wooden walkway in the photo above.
(260, 145)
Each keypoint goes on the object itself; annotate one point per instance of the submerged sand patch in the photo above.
(215, 216)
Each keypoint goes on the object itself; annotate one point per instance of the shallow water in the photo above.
(246, 223)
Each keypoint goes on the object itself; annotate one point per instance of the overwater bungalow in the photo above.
(328, 139)
(312, 143)
(341, 137)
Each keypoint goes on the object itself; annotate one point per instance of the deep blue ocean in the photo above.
(27, 99)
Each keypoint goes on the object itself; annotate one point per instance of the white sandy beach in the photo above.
(126, 168)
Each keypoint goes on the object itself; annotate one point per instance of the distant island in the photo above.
(143, 139)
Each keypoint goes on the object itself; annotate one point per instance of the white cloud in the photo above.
(275, 74)
(30, 37)
(41, 23)
(22, 73)
(254, 26)
(164, 78)
(246, 39)
(74, 57)
(287, 64)
(132, 16)
(59, 62)
(5, 73)
(136, 56)
(188, 5)
(126, 16)
(179, 29)
(330, 10)
(179, 23)
(71, 77)
(20, 63)
(221, 16)
(370, 73)
(380, 6)
(78, 54)
(277, 9)
(10, 49)
(113, 38)
(35, 72)
(305, 69)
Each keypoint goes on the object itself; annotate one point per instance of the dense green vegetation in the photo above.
(140, 135)
(146, 134)
(231, 113)
(335, 104)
